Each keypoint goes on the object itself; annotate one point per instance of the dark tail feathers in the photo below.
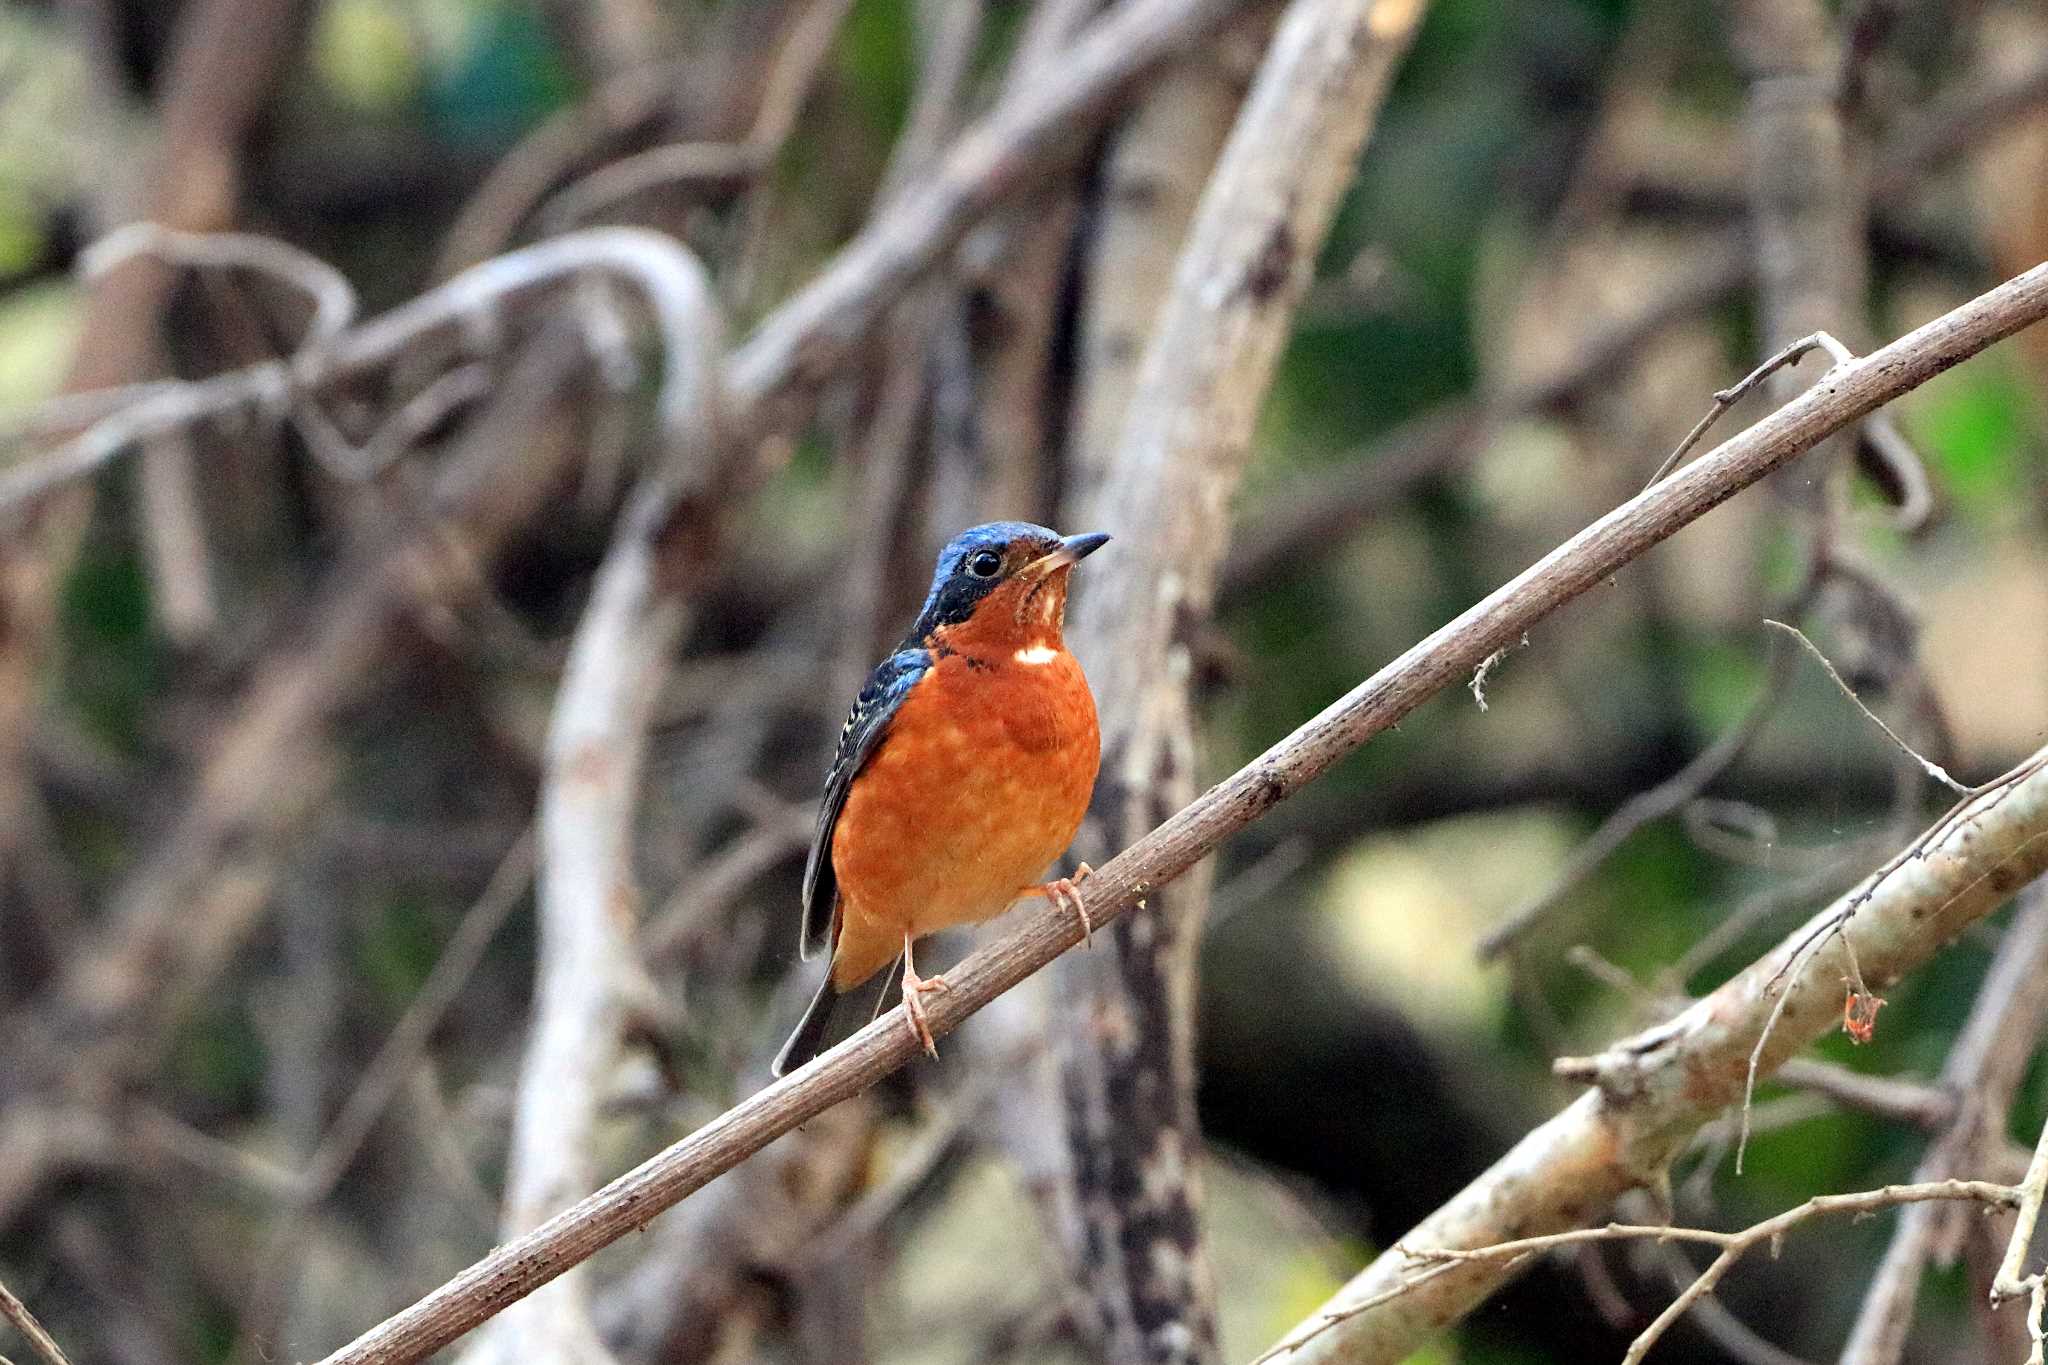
(809, 1039)
(829, 1021)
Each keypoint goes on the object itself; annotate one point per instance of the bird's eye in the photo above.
(984, 563)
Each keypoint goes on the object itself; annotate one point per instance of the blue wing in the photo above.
(866, 727)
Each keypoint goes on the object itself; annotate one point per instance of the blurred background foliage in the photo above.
(1543, 167)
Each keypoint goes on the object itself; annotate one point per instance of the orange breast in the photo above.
(980, 784)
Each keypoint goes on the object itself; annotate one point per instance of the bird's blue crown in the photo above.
(973, 564)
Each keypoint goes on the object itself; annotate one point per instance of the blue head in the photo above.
(1010, 568)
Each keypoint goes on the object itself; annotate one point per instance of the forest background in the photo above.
(437, 553)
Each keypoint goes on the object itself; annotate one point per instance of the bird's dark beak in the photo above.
(1072, 550)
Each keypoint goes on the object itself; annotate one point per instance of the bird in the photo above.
(963, 770)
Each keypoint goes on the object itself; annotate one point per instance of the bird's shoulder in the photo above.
(880, 696)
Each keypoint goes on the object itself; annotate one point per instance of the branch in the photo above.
(16, 1312)
(799, 344)
(1642, 809)
(246, 774)
(399, 1055)
(1733, 1245)
(1845, 394)
(173, 921)
(240, 787)
(225, 60)
(714, 164)
(1928, 1108)
(1653, 1091)
(666, 275)
(328, 292)
(1312, 512)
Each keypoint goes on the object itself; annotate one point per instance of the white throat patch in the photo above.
(1036, 654)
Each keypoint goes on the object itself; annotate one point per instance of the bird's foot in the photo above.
(915, 988)
(1064, 892)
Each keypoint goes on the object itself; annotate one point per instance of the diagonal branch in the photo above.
(16, 1312)
(1844, 395)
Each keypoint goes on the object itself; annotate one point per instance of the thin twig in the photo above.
(16, 1312)
(399, 432)
(1896, 464)
(408, 1038)
(1804, 954)
(1713, 1318)
(709, 166)
(1729, 397)
(1029, 132)
(1978, 1079)
(1923, 1106)
(715, 882)
(1927, 765)
(1826, 881)
(1654, 1091)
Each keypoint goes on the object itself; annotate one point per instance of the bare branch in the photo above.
(408, 1038)
(16, 1312)
(1653, 1091)
(1727, 398)
(1572, 1157)
(714, 164)
(665, 274)
(1436, 1262)
(1978, 1079)
(1733, 1246)
(588, 901)
(1936, 134)
(333, 298)
(1926, 765)
(1926, 1107)
(626, 102)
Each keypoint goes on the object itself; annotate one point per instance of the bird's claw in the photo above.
(1065, 893)
(915, 988)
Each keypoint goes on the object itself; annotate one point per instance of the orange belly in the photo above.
(981, 783)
